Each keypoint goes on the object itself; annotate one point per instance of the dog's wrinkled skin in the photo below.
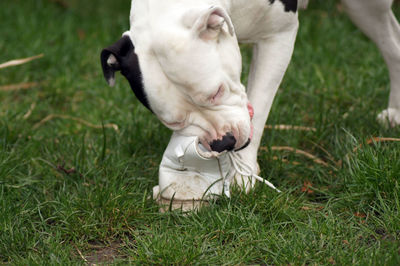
(190, 62)
(191, 65)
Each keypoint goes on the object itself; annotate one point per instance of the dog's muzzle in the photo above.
(228, 142)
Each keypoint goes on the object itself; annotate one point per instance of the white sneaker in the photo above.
(189, 175)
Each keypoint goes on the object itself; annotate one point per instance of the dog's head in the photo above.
(185, 66)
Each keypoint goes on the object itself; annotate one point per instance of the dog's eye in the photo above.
(215, 97)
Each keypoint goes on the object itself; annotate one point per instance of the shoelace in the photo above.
(245, 170)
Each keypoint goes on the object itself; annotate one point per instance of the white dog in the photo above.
(183, 62)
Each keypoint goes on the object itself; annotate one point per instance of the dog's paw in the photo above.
(389, 117)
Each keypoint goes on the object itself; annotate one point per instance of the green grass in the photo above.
(65, 186)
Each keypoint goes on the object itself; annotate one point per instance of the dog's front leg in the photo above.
(376, 19)
(271, 57)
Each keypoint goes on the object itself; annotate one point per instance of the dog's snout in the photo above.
(227, 143)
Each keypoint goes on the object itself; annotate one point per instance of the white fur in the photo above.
(184, 61)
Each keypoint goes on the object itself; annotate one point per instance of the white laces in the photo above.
(244, 169)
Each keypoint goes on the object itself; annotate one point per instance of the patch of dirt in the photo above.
(102, 253)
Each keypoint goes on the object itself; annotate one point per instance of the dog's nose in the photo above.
(227, 143)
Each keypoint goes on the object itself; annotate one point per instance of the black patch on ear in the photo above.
(128, 64)
(290, 5)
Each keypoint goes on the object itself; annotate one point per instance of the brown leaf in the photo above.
(66, 171)
(345, 242)
(380, 139)
(297, 151)
(20, 86)
(371, 141)
(79, 120)
(307, 208)
(21, 61)
(290, 127)
(359, 214)
(81, 34)
(276, 158)
(28, 114)
(307, 187)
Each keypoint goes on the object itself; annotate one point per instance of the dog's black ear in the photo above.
(121, 56)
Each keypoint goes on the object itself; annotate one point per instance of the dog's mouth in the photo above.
(244, 146)
(229, 141)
